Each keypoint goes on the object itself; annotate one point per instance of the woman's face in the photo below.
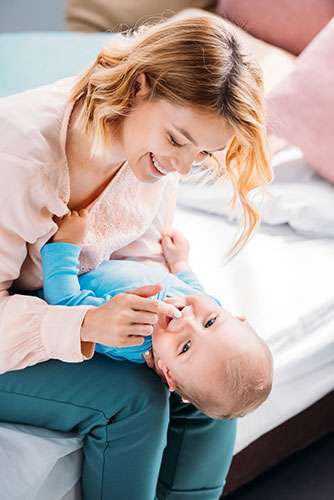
(158, 137)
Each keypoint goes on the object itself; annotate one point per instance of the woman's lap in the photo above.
(126, 416)
(120, 408)
(101, 384)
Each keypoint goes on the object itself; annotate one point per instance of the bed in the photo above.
(282, 282)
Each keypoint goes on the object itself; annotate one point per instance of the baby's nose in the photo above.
(187, 311)
(179, 325)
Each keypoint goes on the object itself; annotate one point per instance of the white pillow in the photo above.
(297, 197)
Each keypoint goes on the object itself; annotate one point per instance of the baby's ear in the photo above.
(168, 376)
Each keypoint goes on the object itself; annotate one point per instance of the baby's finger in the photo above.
(167, 241)
(242, 318)
(75, 213)
(57, 220)
(177, 235)
(84, 212)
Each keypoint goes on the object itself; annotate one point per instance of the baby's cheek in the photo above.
(161, 345)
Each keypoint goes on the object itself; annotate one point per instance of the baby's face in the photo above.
(199, 341)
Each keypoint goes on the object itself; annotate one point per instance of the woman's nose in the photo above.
(183, 168)
(185, 160)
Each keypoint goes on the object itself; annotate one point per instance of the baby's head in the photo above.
(212, 359)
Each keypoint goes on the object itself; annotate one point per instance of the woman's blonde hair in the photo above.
(190, 62)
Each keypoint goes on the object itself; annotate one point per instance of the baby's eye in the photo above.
(210, 322)
(186, 347)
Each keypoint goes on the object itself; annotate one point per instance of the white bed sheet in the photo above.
(281, 282)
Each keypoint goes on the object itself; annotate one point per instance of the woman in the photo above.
(114, 140)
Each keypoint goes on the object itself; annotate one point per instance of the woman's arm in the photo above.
(60, 263)
(31, 331)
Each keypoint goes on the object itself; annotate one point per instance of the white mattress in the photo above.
(281, 282)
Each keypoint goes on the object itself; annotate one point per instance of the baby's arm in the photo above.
(176, 248)
(60, 262)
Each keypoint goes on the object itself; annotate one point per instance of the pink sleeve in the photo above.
(31, 331)
(147, 248)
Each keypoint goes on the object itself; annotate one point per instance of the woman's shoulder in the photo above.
(31, 121)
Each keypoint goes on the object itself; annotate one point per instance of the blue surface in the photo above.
(28, 60)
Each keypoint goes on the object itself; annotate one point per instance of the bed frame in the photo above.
(293, 435)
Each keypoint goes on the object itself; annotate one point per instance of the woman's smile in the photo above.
(153, 171)
(158, 166)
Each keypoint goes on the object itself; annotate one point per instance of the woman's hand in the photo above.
(126, 319)
(72, 228)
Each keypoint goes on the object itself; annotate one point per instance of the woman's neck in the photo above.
(88, 175)
(78, 150)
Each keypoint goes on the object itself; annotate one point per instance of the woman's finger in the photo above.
(144, 317)
(154, 306)
(133, 340)
(178, 302)
(139, 329)
(145, 291)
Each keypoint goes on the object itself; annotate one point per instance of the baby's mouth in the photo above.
(170, 318)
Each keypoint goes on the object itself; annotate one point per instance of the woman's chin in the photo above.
(143, 170)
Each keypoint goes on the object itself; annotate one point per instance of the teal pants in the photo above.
(140, 442)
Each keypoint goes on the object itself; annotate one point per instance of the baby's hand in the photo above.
(175, 248)
(72, 228)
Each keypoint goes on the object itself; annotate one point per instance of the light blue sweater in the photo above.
(63, 286)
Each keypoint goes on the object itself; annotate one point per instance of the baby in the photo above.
(209, 357)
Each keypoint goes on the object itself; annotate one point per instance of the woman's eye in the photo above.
(206, 154)
(173, 141)
(186, 347)
(210, 322)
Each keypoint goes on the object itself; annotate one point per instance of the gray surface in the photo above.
(31, 15)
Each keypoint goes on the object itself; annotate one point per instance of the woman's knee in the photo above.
(131, 388)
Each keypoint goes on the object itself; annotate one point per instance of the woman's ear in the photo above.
(141, 87)
(168, 375)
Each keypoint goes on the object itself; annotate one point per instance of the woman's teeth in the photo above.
(158, 166)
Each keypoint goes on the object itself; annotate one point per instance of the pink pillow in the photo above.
(301, 107)
(289, 24)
